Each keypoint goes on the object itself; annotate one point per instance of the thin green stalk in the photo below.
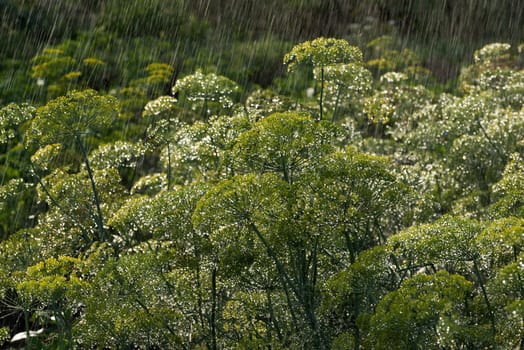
(283, 276)
(199, 295)
(476, 270)
(213, 307)
(26, 324)
(206, 114)
(321, 92)
(169, 180)
(337, 101)
(99, 218)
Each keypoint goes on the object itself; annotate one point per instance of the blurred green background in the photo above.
(242, 39)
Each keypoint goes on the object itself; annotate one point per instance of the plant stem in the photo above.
(213, 307)
(99, 218)
(321, 92)
(169, 166)
(335, 110)
(283, 276)
(85, 234)
(486, 300)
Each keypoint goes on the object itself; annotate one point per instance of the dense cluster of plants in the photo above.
(105, 44)
(356, 209)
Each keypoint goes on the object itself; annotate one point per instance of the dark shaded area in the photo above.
(244, 39)
(447, 31)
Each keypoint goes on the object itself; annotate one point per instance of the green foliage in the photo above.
(59, 69)
(346, 86)
(250, 62)
(162, 105)
(355, 200)
(449, 242)
(284, 143)
(492, 52)
(390, 109)
(17, 252)
(4, 335)
(423, 313)
(154, 308)
(56, 67)
(46, 158)
(507, 283)
(467, 141)
(12, 117)
(150, 184)
(495, 73)
(205, 91)
(72, 221)
(509, 191)
(321, 52)
(351, 295)
(159, 75)
(56, 285)
(67, 118)
(261, 103)
(501, 242)
(204, 150)
(389, 215)
(386, 56)
(326, 209)
(52, 280)
(150, 18)
(117, 155)
(15, 201)
(164, 217)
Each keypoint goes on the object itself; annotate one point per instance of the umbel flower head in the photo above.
(77, 114)
(322, 52)
(208, 88)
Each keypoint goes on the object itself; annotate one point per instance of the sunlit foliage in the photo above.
(11, 118)
(205, 91)
(77, 115)
(321, 52)
(387, 216)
